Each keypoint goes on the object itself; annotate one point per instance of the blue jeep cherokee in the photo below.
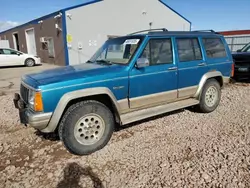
(129, 78)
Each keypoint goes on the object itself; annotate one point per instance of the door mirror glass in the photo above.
(142, 62)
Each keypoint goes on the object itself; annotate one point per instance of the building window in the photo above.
(158, 51)
(44, 45)
(188, 49)
(214, 48)
(48, 44)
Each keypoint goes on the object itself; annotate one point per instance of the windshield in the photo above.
(246, 48)
(117, 50)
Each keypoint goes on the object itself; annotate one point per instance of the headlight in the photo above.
(31, 99)
(35, 101)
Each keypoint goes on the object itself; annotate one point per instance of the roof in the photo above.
(235, 32)
(35, 21)
(164, 32)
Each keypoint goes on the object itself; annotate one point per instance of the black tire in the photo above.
(69, 122)
(203, 105)
(29, 62)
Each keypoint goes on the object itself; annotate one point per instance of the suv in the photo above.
(242, 62)
(129, 78)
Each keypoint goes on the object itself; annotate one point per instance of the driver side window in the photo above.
(158, 51)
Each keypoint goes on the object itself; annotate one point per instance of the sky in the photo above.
(219, 15)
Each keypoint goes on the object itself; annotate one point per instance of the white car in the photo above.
(11, 57)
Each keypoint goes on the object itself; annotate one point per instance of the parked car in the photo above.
(242, 62)
(11, 57)
(163, 72)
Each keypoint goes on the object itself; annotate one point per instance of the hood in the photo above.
(67, 73)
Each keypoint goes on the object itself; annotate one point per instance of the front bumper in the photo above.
(38, 61)
(28, 117)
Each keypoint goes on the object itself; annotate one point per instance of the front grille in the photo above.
(24, 91)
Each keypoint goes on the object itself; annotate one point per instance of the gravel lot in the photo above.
(182, 149)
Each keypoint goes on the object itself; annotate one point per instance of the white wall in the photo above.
(4, 44)
(237, 42)
(94, 22)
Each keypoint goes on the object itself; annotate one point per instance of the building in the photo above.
(72, 35)
(236, 39)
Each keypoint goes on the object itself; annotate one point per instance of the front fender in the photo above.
(66, 98)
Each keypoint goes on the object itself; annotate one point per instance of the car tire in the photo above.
(86, 127)
(210, 96)
(29, 62)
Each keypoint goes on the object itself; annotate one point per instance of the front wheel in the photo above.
(86, 127)
(210, 96)
(29, 62)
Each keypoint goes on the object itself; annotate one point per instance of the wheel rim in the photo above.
(89, 129)
(211, 96)
(30, 62)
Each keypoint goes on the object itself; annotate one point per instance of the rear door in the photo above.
(191, 65)
(3, 58)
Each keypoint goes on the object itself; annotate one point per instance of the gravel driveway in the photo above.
(182, 149)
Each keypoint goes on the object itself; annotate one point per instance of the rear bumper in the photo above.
(28, 117)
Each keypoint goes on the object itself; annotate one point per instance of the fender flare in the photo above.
(203, 80)
(66, 98)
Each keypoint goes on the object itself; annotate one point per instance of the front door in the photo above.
(191, 65)
(156, 83)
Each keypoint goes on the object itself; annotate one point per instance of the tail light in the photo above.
(232, 71)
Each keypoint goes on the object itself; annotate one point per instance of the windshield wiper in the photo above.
(104, 61)
(89, 61)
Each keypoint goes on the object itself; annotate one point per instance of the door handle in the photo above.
(202, 64)
(172, 68)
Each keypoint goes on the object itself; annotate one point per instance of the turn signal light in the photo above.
(38, 106)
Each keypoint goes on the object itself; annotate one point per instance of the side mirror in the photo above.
(142, 62)
(238, 50)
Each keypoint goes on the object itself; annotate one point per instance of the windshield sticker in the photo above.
(131, 41)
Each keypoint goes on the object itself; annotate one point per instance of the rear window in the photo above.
(214, 48)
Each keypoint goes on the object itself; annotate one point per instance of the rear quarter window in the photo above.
(214, 48)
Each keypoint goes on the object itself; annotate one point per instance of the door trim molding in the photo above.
(152, 99)
(187, 91)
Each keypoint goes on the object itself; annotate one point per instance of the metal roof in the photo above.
(235, 32)
(35, 21)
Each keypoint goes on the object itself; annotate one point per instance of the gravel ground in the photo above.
(182, 149)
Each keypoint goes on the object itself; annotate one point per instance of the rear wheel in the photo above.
(210, 96)
(29, 62)
(86, 127)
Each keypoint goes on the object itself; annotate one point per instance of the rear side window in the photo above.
(214, 48)
(188, 49)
